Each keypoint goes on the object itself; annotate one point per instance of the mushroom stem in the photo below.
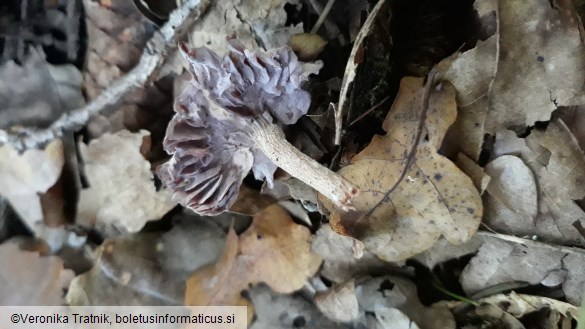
(270, 139)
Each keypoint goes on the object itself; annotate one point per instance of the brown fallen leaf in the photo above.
(540, 64)
(396, 218)
(250, 201)
(471, 73)
(557, 162)
(274, 250)
(474, 171)
(29, 279)
(122, 196)
(574, 117)
(214, 285)
(518, 76)
(501, 259)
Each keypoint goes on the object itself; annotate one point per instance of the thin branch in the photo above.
(146, 71)
(322, 16)
(350, 71)
(363, 115)
(332, 30)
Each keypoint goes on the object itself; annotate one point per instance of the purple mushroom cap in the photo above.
(209, 136)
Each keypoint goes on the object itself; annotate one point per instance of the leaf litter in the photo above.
(493, 142)
(31, 279)
(433, 197)
(273, 250)
(136, 198)
(148, 268)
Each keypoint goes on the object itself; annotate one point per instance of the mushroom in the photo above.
(227, 122)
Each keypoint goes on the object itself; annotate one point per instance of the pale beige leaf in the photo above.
(257, 24)
(216, 284)
(492, 314)
(471, 73)
(339, 303)
(574, 117)
(391, 318)
(277, 251)
(121, 196)
(558, 165)
(24, 176)
(522, 304)
(307, 46)
(511, 198)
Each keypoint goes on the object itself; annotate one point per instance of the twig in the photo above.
(332, 30)
(350, 68)
(322, 16)
(147, 69)
(363, 115)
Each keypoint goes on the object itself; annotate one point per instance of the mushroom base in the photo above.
(270, 139)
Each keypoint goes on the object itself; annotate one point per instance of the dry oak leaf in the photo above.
(520, 75)
(396, 218)
(122, 196)
(557, 163)
(274, 250)
(505, 258)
